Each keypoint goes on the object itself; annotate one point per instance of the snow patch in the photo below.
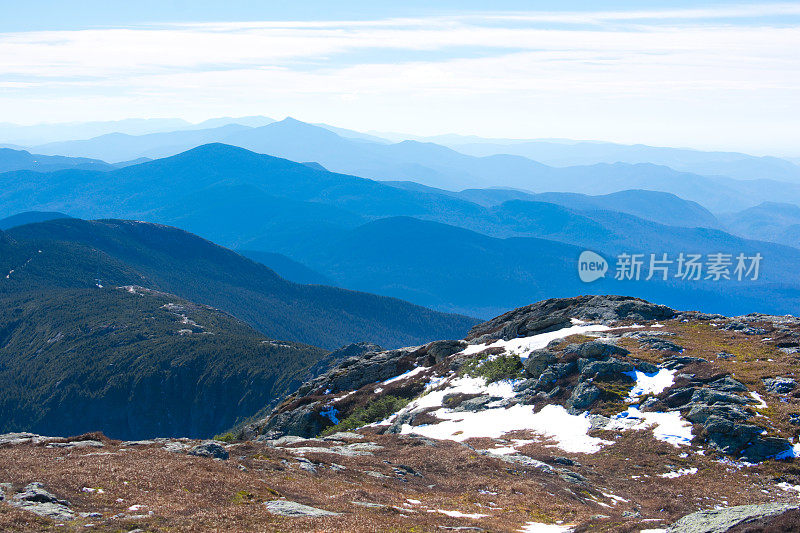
(668, 427)
(536, 527)
(679, 473)
(553, 421)
(524, 345)
(459, 514)
(653, 383)
(757, 397)
(410, 373)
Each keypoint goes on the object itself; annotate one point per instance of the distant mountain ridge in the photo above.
(570, 153)
(11, 160)
(439, 166)
(30, 217)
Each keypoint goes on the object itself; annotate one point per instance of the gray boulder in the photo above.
(722, 520)
(538, 361)
(302, 421)
(38, 500)
(477, 403)
(652, 405)
(583, 395)
(699, 413)
(741, 327)
(674, 363)
(743, 440)
(660, 344)
(209, 449)
(613, 369)
(555, 313)
(728, 384)
(711, 396)
(646, 367)
(780, 385)
(595, 350)
(680, 396)
(296, 510)
(438, 351)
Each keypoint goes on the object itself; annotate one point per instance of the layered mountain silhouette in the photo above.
(569, 153)
(261, 203)
(439, 166)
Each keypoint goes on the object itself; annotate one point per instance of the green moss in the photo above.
(374, 411)
(495, 368)
(242, 497)
(226, 437)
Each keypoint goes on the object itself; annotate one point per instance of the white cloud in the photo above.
(614, 75)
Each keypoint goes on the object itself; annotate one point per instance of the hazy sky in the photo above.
(707, 75)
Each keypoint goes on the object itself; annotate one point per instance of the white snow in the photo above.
(459, 514)
(794, 451)
(679, 473)
(466, 385)
(553, 421)
(413, 501)
(788, 487)
(757, 397)
(508, 450)
(653, 383)
(668, 427)
(410, 373)
(615, 497)
(525, 345)
(536, 527)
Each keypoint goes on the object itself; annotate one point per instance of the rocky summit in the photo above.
(595, 413)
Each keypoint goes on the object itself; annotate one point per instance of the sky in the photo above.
(709, 75)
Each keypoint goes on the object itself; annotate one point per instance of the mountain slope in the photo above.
(135, 364)
(457, 270)
(29, 217)
(287, 268)
(769, 221)
(661, 207)
(78, 254)
(11, 160)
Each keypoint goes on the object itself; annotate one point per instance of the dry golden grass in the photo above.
(193, 494)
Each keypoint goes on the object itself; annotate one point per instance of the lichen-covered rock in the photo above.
(538, 361)
(296, 510)
(583, 395)
(728, 384)
(209, 449)
(722, 520)
(743, 440)
(780, 385)
(595, 350)
(38, 500)
(613, 369)
(556, 313)
(302, 421)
